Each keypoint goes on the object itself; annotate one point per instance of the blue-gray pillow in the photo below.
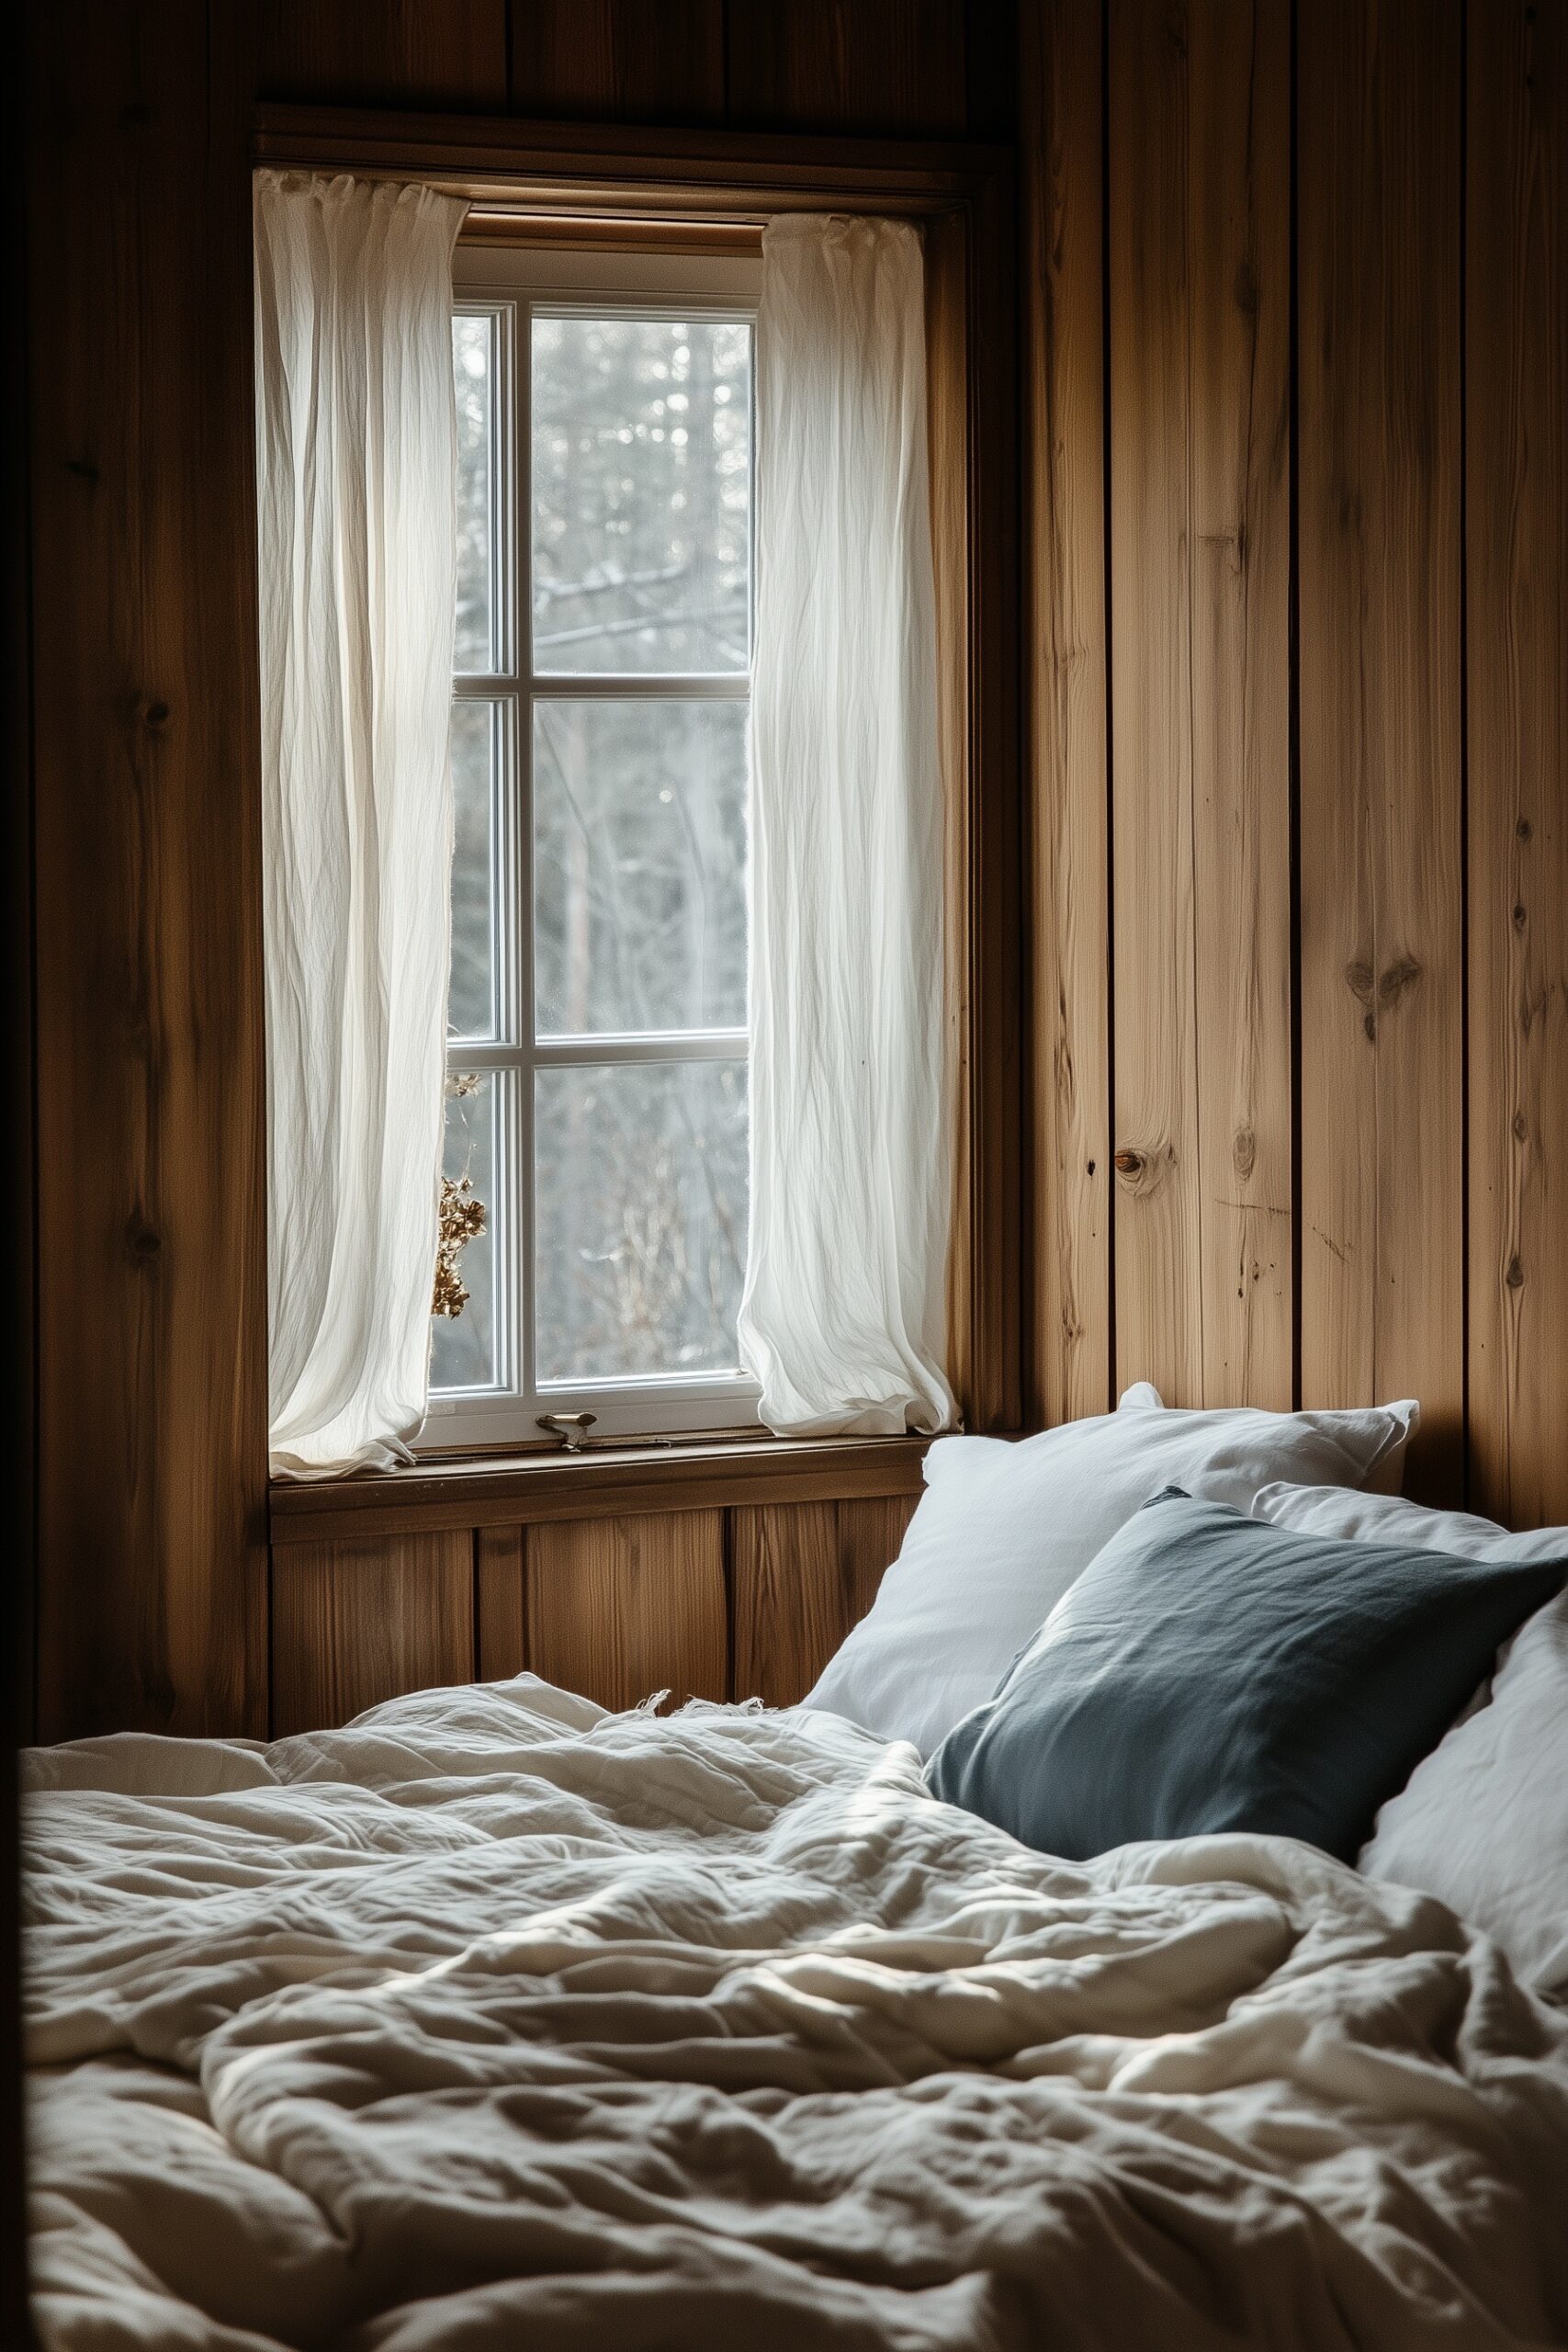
(1210, 1672)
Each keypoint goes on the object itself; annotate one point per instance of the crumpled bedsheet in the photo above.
(497, 2020)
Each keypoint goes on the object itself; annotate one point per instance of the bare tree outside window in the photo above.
(642, 495)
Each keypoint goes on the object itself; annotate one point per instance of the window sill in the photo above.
(600, 1481)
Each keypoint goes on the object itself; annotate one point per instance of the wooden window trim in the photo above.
(621, 179)
(527, 1489)
(617, 171)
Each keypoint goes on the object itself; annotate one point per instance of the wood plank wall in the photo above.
(1297, 341)
(151, 1282)
(1381, 588)
(744, 1603)
(1295, 349)
(1515, 458)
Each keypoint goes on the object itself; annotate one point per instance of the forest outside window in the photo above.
(597, 1083)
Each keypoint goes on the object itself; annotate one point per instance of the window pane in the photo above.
(642, 495)
(463, 1352)
(474, 370)
(640, 1210)
(639, 865)
(475, 736)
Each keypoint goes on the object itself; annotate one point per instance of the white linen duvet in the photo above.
(496, 2021)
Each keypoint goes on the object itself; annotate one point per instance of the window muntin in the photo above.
(597, 1079)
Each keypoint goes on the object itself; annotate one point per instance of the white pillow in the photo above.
(1482, 1821)
(1382, 1516)
(1006, 1525)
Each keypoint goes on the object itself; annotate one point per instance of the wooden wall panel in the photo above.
(971, 358)
(1381, 937)
(1199, 572)
(1159, 1292)
(792, 1608)
(357, 1622)
(1238, 562)
(618, 1607)
(1062, 235)
(870, 1534)
(621, 1608)
(1516, 416)
(18, 1450)
(17, 1453)
(501, 1623)
(624, 61)
(377, 52)
(971, 431)
(895, 66)
(801, 1577)
(152, 1347)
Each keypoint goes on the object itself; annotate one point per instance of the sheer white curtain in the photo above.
(356, 460)
(843, 1316)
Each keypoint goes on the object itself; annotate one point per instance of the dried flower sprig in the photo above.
(462, 1217)
(462, 1221)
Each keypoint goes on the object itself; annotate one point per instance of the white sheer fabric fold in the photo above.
(356, 454)
(843, 1319)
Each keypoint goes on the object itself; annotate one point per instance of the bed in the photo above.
(496, 2020)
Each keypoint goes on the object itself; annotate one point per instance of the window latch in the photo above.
(570, 1427)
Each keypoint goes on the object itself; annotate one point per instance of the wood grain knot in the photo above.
(1521, 1127)
(1524, 828)
(1244, 1152)
(143, 1243)
(1231, 546)
(1535, 1006)
(152, 713)
(1397, 981)
(1393, 986)
(1520, 918)
(1143, 1172)
(1515, 1277)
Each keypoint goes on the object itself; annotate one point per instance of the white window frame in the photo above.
(511, 283)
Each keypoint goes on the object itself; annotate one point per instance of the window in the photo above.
(597, 1075)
